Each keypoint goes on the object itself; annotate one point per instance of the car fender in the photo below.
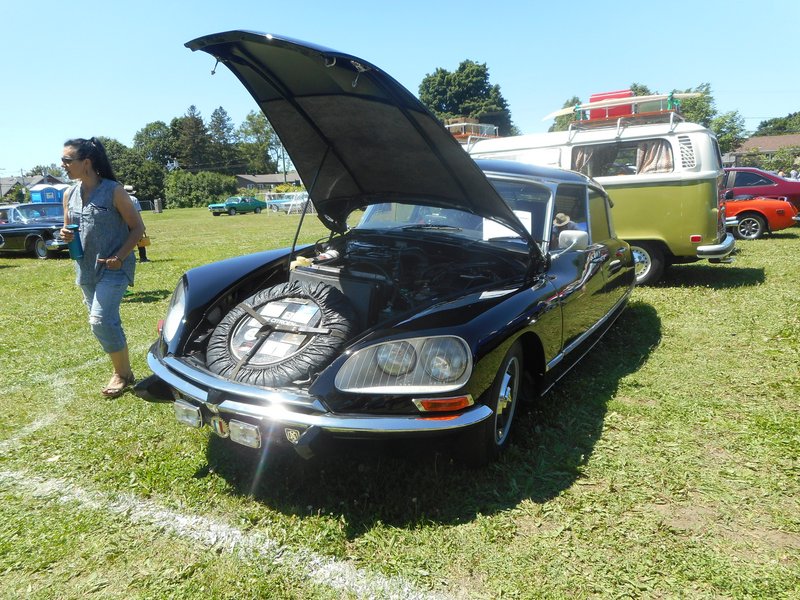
(206, 284)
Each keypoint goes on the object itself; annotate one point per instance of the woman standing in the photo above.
(110, 227)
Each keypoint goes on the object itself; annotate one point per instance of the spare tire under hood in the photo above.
(355, 135)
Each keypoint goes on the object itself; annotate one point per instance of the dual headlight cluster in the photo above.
(418, 365)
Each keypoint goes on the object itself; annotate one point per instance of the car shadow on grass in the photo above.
(784, 234)
(146, 296)
(718, 277)
(420, 481)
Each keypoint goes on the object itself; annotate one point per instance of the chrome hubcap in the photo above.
(641, 260)
(506, 401)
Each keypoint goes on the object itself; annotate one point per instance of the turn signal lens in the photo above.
(443, 404)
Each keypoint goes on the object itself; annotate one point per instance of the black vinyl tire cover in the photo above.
(337, 316)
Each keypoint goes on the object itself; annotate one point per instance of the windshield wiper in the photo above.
(431, 226)
(505, 237)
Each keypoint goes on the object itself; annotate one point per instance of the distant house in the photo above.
(267, 183)
(763, 144)
(29, 183)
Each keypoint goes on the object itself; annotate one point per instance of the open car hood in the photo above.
(354, 134)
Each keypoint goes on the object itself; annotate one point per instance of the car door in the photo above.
(576, 270)
(613, 254)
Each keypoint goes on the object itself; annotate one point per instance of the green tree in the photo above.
(729, 129)
(183, 189)
(146, 176)
(562, 123)
(639, 89)
(701, 109)
(156, 142)
(466, 92)
(133, 168)
(53, 169)
(257, 144)
(784, 159)
(117, 153)
(224, 154)
(17, 193)
(752, 158)
(192, 141)
(779, 125)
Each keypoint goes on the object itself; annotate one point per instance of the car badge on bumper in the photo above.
(219, 426)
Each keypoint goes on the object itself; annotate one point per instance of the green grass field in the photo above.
(666, 465)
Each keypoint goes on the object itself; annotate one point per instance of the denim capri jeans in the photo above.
(103, 299)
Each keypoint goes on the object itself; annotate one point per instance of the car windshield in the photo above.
(38, 211)
(528, 201)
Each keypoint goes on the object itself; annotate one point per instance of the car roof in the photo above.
(512, 167)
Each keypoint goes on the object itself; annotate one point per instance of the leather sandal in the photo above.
(117, 391)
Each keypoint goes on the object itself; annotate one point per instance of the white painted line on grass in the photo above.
(251, 546)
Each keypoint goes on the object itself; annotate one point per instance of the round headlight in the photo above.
(175, 312)
(444, 359)
(395, 358)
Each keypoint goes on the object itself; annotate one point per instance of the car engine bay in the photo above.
(387, 277)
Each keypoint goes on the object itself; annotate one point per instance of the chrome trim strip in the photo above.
(279, 410)
(357, 423)
(166, 367)
(717, 250)
(560, 356)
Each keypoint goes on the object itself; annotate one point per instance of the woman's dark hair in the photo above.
(93, 150)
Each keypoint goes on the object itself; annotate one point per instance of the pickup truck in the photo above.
(237, 204)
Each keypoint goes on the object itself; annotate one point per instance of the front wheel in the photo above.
(216, 214)
(649, 262)
(39, 248)
(257, 210)
(751, 227)
(488, 440)
(231, 211)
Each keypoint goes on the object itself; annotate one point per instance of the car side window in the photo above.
(623, 158)
(745, 179)
(569, 211)
(598, 216)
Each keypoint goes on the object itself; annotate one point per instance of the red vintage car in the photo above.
(755, 216)
(757, 182)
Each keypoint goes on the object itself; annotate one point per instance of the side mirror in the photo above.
(729, 195)
(573, 240)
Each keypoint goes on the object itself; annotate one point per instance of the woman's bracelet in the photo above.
(117, 258)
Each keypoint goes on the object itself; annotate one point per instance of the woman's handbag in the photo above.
(144, 242)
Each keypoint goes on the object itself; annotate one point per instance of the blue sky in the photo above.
(80, 68)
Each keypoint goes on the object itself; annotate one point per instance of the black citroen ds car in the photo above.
(442, 298)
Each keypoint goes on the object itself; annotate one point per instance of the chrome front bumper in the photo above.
(718, 252)
(273, 408)
(55, 244)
